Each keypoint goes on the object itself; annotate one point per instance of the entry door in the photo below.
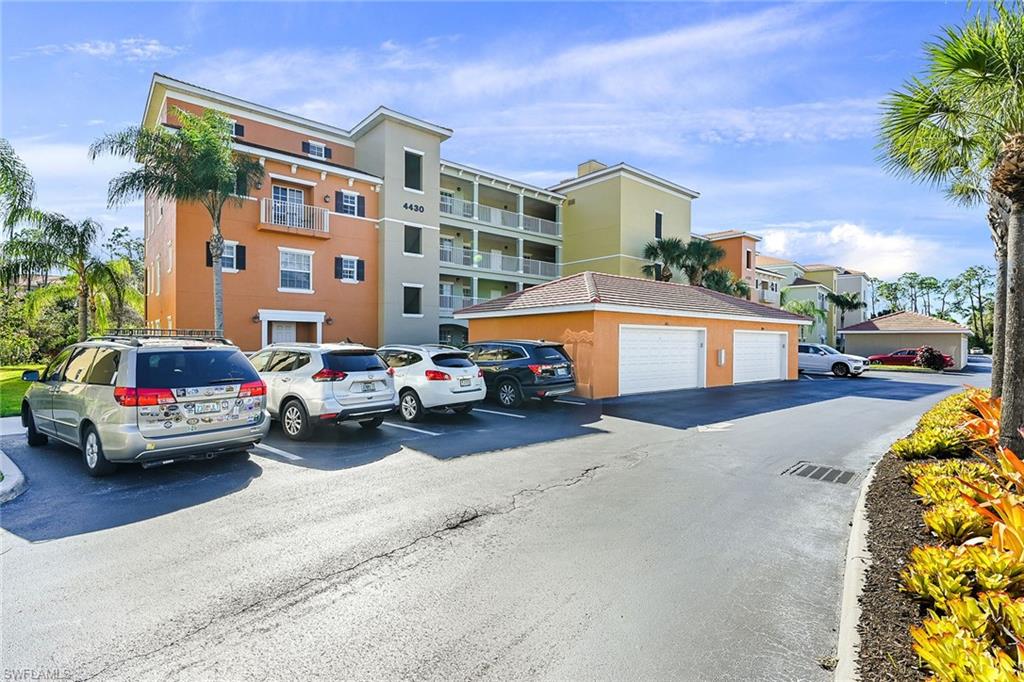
(759, 356)
(282, 332)
(659, 358)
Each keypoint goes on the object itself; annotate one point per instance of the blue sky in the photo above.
(768, 110)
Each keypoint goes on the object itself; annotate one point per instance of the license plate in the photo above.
(464, 381)
(561, 371)
(368, 387)
(206, 408)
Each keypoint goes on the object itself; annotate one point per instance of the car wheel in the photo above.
(409, 406)
(372, 423)
(509, 394)
(841, 369)
(295, 421)
(874, 362)
(463, 409)
(35, 439)
(92, 452)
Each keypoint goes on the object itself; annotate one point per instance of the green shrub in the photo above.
(930, 358)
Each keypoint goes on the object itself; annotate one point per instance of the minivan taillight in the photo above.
(126, 397)
(435, 375)
(538, 369)
(142, 397)
(329, 375)
(251, 389)
(480, 373)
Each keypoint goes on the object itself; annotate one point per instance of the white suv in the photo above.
(817, 357)
(434, 377)
(319, 383)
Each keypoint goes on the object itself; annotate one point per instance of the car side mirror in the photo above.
(30, 375)
(821, 352)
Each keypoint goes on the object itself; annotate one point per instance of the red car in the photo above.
(903, 356)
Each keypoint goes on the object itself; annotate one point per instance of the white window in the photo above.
(349, 203)
(227, 259)
(170, 255)
(349, 269)
(317, 150)
(157, 275)
(296, 270)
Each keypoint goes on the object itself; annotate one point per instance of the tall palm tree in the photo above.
(699, 257)
(726, 282)
(16, 188)
(193, 163)
(665, 256)
(967, 110)
(846, 303)
(809, 310)
(68, 246)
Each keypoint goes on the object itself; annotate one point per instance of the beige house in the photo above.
(892, 332)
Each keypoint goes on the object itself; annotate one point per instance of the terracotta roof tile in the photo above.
(803, 281)
(905, 321)
(598, 287)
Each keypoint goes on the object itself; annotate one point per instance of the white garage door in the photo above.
(758, 356)
(659, 359)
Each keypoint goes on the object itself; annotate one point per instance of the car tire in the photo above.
(874, 362)
(463, 409)
(96, 463)
(295, 420)
(371, 423)
(35, 439)
(509, 394)
(841, 369)
(410, 408)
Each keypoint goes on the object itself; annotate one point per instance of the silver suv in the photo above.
(146, 399)
(321, 383)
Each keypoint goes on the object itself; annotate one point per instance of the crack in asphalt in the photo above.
(452, 522)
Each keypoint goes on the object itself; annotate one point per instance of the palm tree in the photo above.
(967, 110)
(665, 255)
(726, 282)
(193, 163)
(809, 310)
(699, 257)
(16, 188)
(846, 303)
(68, 246)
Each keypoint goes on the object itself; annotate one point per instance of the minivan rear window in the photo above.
(452, 360)
(200, 367)
(551, 354)
(354, 362)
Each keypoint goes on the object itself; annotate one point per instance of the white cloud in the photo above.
(128, 49)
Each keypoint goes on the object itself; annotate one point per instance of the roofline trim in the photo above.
(641, 175)
(713, 237)
(619, 308)
(382, 112)
(305, 163)
(904, 331)
(494, 176)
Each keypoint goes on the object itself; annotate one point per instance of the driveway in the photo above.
(649, 537)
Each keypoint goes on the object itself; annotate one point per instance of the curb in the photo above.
(858, 559)
(14, 481)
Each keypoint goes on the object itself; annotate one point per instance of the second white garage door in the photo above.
(660, 358)
(759, 356)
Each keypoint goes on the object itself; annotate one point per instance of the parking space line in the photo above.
(270, 448)
(807, 377)
(411, 428)
(500, 414)
(568, 402)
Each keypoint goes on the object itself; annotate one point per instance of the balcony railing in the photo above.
(449, 303)
(493, 261)
(499, 217)
(540, 268)
(289, 214)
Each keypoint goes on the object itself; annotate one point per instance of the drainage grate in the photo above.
(817, 472)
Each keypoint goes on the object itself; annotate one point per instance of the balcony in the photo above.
(486, 260)
(285, 216)
(460, 208)
(449, 303)
(770, 297)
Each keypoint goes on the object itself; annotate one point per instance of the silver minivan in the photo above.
(148, 400)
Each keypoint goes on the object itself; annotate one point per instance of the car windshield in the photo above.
(452, 360)
(551, 354)
(200, 367)
(354, 362)
(829, 350)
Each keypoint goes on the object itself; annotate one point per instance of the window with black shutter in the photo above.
(361, 206)
(239, 257)
(413, 170)
(411, 301)
(657, 224)
(413, 240)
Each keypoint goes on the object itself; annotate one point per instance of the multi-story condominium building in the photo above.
(363, 234)
(612, 212)
(740, 257)
(856, 282)
(798, 287)
(768, 286)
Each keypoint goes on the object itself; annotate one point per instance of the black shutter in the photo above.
(209, 257)
(327, 152)
(338, 267)
(657, 226)
(361, 206)
(361, 270)
(337, 201)
(239, 130)
(305, 147)
(239, 257)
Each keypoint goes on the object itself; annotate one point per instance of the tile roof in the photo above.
(906, 321)
(601, 288)
(729, 234)
(772, 260)
(821, 266)
(803, 281)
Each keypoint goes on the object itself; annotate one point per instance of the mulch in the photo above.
(894, 515)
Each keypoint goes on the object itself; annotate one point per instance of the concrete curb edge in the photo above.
(14, 481)
(858, 559)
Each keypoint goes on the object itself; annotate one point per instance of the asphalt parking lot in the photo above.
(649, 537)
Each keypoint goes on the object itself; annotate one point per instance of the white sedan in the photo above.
(817, 357)
(433, 377)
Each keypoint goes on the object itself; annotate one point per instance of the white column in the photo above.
(263, 332)
(319, 331)
(476, 199)
(520, 241)
(519, 208)
(476, 246)
(558, 260)
(475, 292)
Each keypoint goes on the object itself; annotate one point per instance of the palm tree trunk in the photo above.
(999, 323)
(83, 309)
(216, 251)
(1013, 378)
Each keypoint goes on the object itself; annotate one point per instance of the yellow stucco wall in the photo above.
(829, 278)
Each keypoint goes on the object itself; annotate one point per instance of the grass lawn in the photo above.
(12, 388)
(902, 368)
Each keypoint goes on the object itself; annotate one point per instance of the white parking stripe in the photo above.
(500, 414)
(807, 377)
(269, 448)
(568, 402)
(412, 428)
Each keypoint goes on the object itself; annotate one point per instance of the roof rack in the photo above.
(135, 335)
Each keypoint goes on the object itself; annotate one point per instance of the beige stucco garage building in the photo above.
(892, 332)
